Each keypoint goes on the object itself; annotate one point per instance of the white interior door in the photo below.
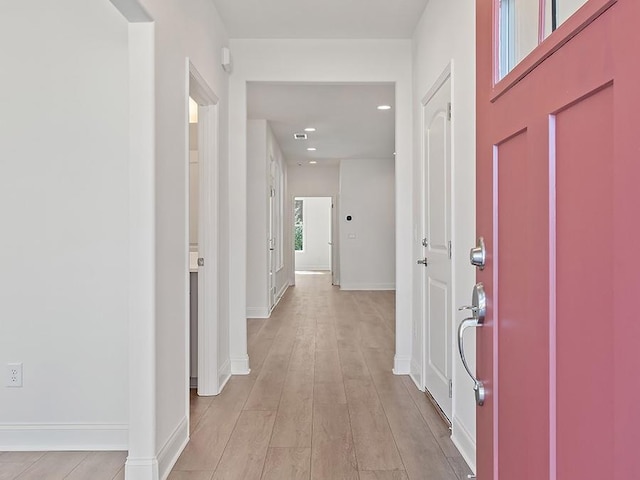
(437, 277)
(272, 234)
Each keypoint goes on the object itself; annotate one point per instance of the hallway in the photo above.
(321, 401)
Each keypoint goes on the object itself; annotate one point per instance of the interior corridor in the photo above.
(321, 402)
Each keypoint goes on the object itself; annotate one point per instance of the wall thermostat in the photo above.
(349, 217)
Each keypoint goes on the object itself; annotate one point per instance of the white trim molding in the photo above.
(313, 268)
(402, 365)
(416, 374)
(240, 365)
(142, 463)
(29, 437)
(171, 450)
(224, 374)
(464, 442)
(280, 294)
(141, 468)
(258, 312)
(367, 286)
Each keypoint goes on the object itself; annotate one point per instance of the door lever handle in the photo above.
(478, 310)
(423, 262)
(468, 307)
(478, 386)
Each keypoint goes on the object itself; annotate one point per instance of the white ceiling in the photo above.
(347, 121)
(321, 18)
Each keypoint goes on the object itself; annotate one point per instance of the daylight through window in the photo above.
(298, 223)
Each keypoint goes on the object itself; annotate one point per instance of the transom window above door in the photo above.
(524, 24)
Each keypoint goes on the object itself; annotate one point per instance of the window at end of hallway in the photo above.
(298, 225)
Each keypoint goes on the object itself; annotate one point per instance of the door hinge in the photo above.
(449, 249)
(450, 388)
(449, 111)
(272, 192)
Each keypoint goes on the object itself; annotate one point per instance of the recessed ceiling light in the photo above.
(313, 162)
(300, 136)
(311, 149)
(309, 129)
(384, 107)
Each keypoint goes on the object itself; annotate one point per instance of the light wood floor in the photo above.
(321, 403)
(62, 465)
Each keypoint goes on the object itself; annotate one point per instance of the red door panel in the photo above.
(584, 327)
(522, 344)
(558, 203)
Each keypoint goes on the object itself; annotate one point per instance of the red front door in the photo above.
(558, 204)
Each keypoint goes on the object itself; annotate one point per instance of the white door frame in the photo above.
(272, 268)
(447, 74)
(209, 379)
(335, 239)
(332, 62)
(335, 242)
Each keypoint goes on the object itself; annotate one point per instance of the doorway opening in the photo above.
(335, 145)
(193, 242)
(203, 370)
(313, 234)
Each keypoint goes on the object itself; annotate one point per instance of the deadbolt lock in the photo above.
(478, 254)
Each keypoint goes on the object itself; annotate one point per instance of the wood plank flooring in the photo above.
(320, 403)
(62, 465)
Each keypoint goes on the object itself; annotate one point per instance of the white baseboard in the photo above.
(416, 382)
(464, 442)
(173, 447)
(416, 374)
(367, 286)
(258, 312)
(64, 437)
(281, 293)
(401, 365)
(240, 365)
(265, 312)
(141, 468)
(224, 374)
(313, 268)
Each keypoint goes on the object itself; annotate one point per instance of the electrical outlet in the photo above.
(14, 375)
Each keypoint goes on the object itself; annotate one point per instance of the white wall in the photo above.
(314, 181)
(320, 61)
(257, 220)
(64, 204)
(282, 269)
(367, 242)
(261, 148)
(445, 34)
(316, 234)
